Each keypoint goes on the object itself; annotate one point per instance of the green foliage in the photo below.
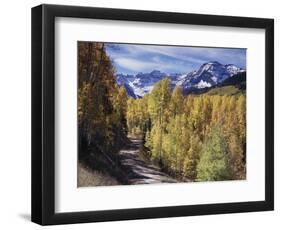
(176, 128)
(195, 137)
(213, 164)
(225, 90)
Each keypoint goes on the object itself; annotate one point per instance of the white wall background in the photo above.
(15, 113)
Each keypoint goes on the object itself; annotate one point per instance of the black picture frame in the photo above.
(43, 114)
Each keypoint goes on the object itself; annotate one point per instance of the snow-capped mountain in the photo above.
(141, 83)
(209, 74)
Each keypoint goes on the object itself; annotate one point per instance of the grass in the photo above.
(88, 177)
(225, 90)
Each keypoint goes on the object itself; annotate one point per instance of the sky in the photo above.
(135, 58)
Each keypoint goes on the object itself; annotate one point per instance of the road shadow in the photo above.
(138, 170)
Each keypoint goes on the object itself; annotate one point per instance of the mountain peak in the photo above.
(212, 63)
(209, 74)
(155, 71)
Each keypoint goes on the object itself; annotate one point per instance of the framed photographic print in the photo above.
(142, 114)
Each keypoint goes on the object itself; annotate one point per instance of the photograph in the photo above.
(146, 113)
(150, 114)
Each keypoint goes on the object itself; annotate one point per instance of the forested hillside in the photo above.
(102, 105)
(189, 137)
(200, 137)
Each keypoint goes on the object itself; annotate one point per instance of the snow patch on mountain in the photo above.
(202, 84)
(208, 75)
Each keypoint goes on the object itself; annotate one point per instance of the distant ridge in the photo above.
(208, 75)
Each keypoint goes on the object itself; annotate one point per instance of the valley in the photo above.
(158, 126)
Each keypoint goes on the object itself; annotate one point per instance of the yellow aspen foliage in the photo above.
(176, 127)
(192, 158)
(176, 105)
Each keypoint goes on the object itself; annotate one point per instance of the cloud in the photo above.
(134, 64)
(180, 53)
(139, 65)
(132, 58)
